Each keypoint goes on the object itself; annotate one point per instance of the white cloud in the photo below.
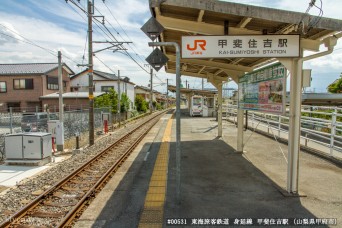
(8, 31)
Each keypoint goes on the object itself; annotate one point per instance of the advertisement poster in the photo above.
(264, 90)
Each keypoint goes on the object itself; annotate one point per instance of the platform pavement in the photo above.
(10, 175)
(218, 182)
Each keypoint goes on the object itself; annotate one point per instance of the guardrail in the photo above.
(324, 134)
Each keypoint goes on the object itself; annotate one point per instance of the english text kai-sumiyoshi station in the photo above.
(223, 41)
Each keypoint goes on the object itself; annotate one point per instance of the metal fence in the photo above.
(321, 127)
(76, 122)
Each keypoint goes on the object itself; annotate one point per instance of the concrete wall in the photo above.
(69, 103)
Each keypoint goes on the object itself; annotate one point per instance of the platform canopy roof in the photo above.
(206, 93)
(210, 17)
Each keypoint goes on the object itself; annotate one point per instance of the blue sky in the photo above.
(57, 25)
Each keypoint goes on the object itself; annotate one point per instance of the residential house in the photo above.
(21, 85)
(145, 92)
(102, 83)
(71, 100)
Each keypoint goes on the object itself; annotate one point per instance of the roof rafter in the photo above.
(244, 22)
(212, 64)
(201, 27)
(200, 16)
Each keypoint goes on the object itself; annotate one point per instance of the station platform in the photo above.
(11, 175)
(219, 186)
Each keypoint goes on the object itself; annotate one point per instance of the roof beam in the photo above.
(201, 62)
(201, 27)
(203, 67)
(236, 61)
(207, 75)
(218, 72)
(321, 35)
(286, 29)
(157, 11)
(244, 10)
(200, 16)
(244, 22)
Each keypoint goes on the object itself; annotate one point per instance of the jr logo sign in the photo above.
(197, 43)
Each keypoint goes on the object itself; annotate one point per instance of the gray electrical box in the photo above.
(28, 146)
(37, 145)
(14, 146)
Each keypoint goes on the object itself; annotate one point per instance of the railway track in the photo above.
(64, 202)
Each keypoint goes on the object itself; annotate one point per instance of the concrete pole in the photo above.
(90, 74)
(167, 93)
(119, 99)
(151, 90)
(219, 111)
(11, 120)
(189, 101)
(239, 147)
(294, 127)
(178, 125)
(60, 139)
(60, 86)
(240, 130)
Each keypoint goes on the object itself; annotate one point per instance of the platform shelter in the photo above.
(217, 18)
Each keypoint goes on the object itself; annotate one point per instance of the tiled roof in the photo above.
(104, 75)
(72, 95)
(27, 68)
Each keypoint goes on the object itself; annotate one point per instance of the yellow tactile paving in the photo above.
(157, 184)
(155, 197)
(154, 204)
(156, 190)
(152, 215)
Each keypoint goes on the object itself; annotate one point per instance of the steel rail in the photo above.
(67, 219)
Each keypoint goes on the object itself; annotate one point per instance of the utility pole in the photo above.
(119, 99)
(167, 93)
(151, 92)
(60, 127)
(186, 84)
(90, 73)
(202, 83)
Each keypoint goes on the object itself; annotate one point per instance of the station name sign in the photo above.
(240, 46)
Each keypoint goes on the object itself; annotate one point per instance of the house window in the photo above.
(106, 88)
(3, 87)
(52, 83)
(23, 83)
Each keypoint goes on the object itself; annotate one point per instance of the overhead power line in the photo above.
(106, 31)
(28, 41)
(123, 31)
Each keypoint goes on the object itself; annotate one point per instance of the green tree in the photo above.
(336, 87)
(109, 99)
(140, 103)
(124, 103)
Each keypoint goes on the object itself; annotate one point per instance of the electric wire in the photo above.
(27, 41)
(105, 65)
(85, 47)
(113, 38)
(123, 31)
